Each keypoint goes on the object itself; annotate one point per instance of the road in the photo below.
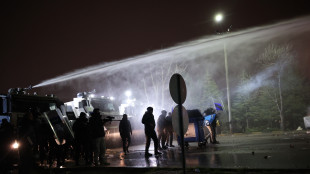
(275, 152)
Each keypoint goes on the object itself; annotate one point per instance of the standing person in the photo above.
(149, 130)
(210, 118)
(60, 144)
(161, 131)
(27, 137)
(82, 141)
(7, 134)
(169, 130)
(43, 135)
(125, 132)
(97, 134)
(6, 139)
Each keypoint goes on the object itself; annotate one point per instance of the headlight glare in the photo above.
(15, 145)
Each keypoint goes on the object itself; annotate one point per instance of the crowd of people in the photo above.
(164, 137)
(55, 145)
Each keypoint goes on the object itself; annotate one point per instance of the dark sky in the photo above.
(44, 39)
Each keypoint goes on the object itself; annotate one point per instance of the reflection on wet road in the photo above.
(255, 151)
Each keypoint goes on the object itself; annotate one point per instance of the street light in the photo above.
(128, 93)
(218, 18)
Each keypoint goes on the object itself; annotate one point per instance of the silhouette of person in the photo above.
(82, 141)
(7, 134)
(149, 130)
(125, 132)
(6, 139)
(60, 144)
(42, 137)
(161, 131)
(52, 146)
(169, 130)
(27, 138)
(97, 134)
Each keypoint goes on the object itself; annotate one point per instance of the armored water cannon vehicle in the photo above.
(88, 101)
(18, 102)
(108, 108)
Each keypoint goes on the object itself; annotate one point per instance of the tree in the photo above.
(210, 92)
(276, 58)
(160, 80)
(296, 98)
(243, 100)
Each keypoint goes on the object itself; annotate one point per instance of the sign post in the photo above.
(177, 89)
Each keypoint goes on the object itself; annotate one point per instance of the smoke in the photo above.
(260, 80)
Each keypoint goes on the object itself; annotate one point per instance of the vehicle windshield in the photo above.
(105, 105)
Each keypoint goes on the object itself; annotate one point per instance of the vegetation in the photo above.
(275, 98)
(282, 98)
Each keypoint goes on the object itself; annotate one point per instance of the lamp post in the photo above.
(218, 19)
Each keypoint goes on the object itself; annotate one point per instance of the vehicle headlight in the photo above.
(15, 145)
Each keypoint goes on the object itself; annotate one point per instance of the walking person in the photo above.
(125, 132)
(97, 134)
(149, 130)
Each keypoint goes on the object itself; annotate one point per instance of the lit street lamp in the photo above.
(218, 18)
(129, 101)
(128, 93)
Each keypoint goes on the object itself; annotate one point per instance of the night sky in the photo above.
(44, 39)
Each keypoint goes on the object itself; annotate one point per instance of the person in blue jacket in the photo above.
(210, 118)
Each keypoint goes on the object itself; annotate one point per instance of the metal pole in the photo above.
(181, 123)
(228, 93)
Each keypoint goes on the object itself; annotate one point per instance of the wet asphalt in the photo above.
(275, 152)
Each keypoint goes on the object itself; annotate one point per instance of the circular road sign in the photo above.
(175, 120)
(177, 83)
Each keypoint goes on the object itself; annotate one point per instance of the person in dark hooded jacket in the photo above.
(149, 130)
(27, 137)
(97, 134)
(125, 132)
(82, 140)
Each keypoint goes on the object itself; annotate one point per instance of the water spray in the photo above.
(197, 47)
